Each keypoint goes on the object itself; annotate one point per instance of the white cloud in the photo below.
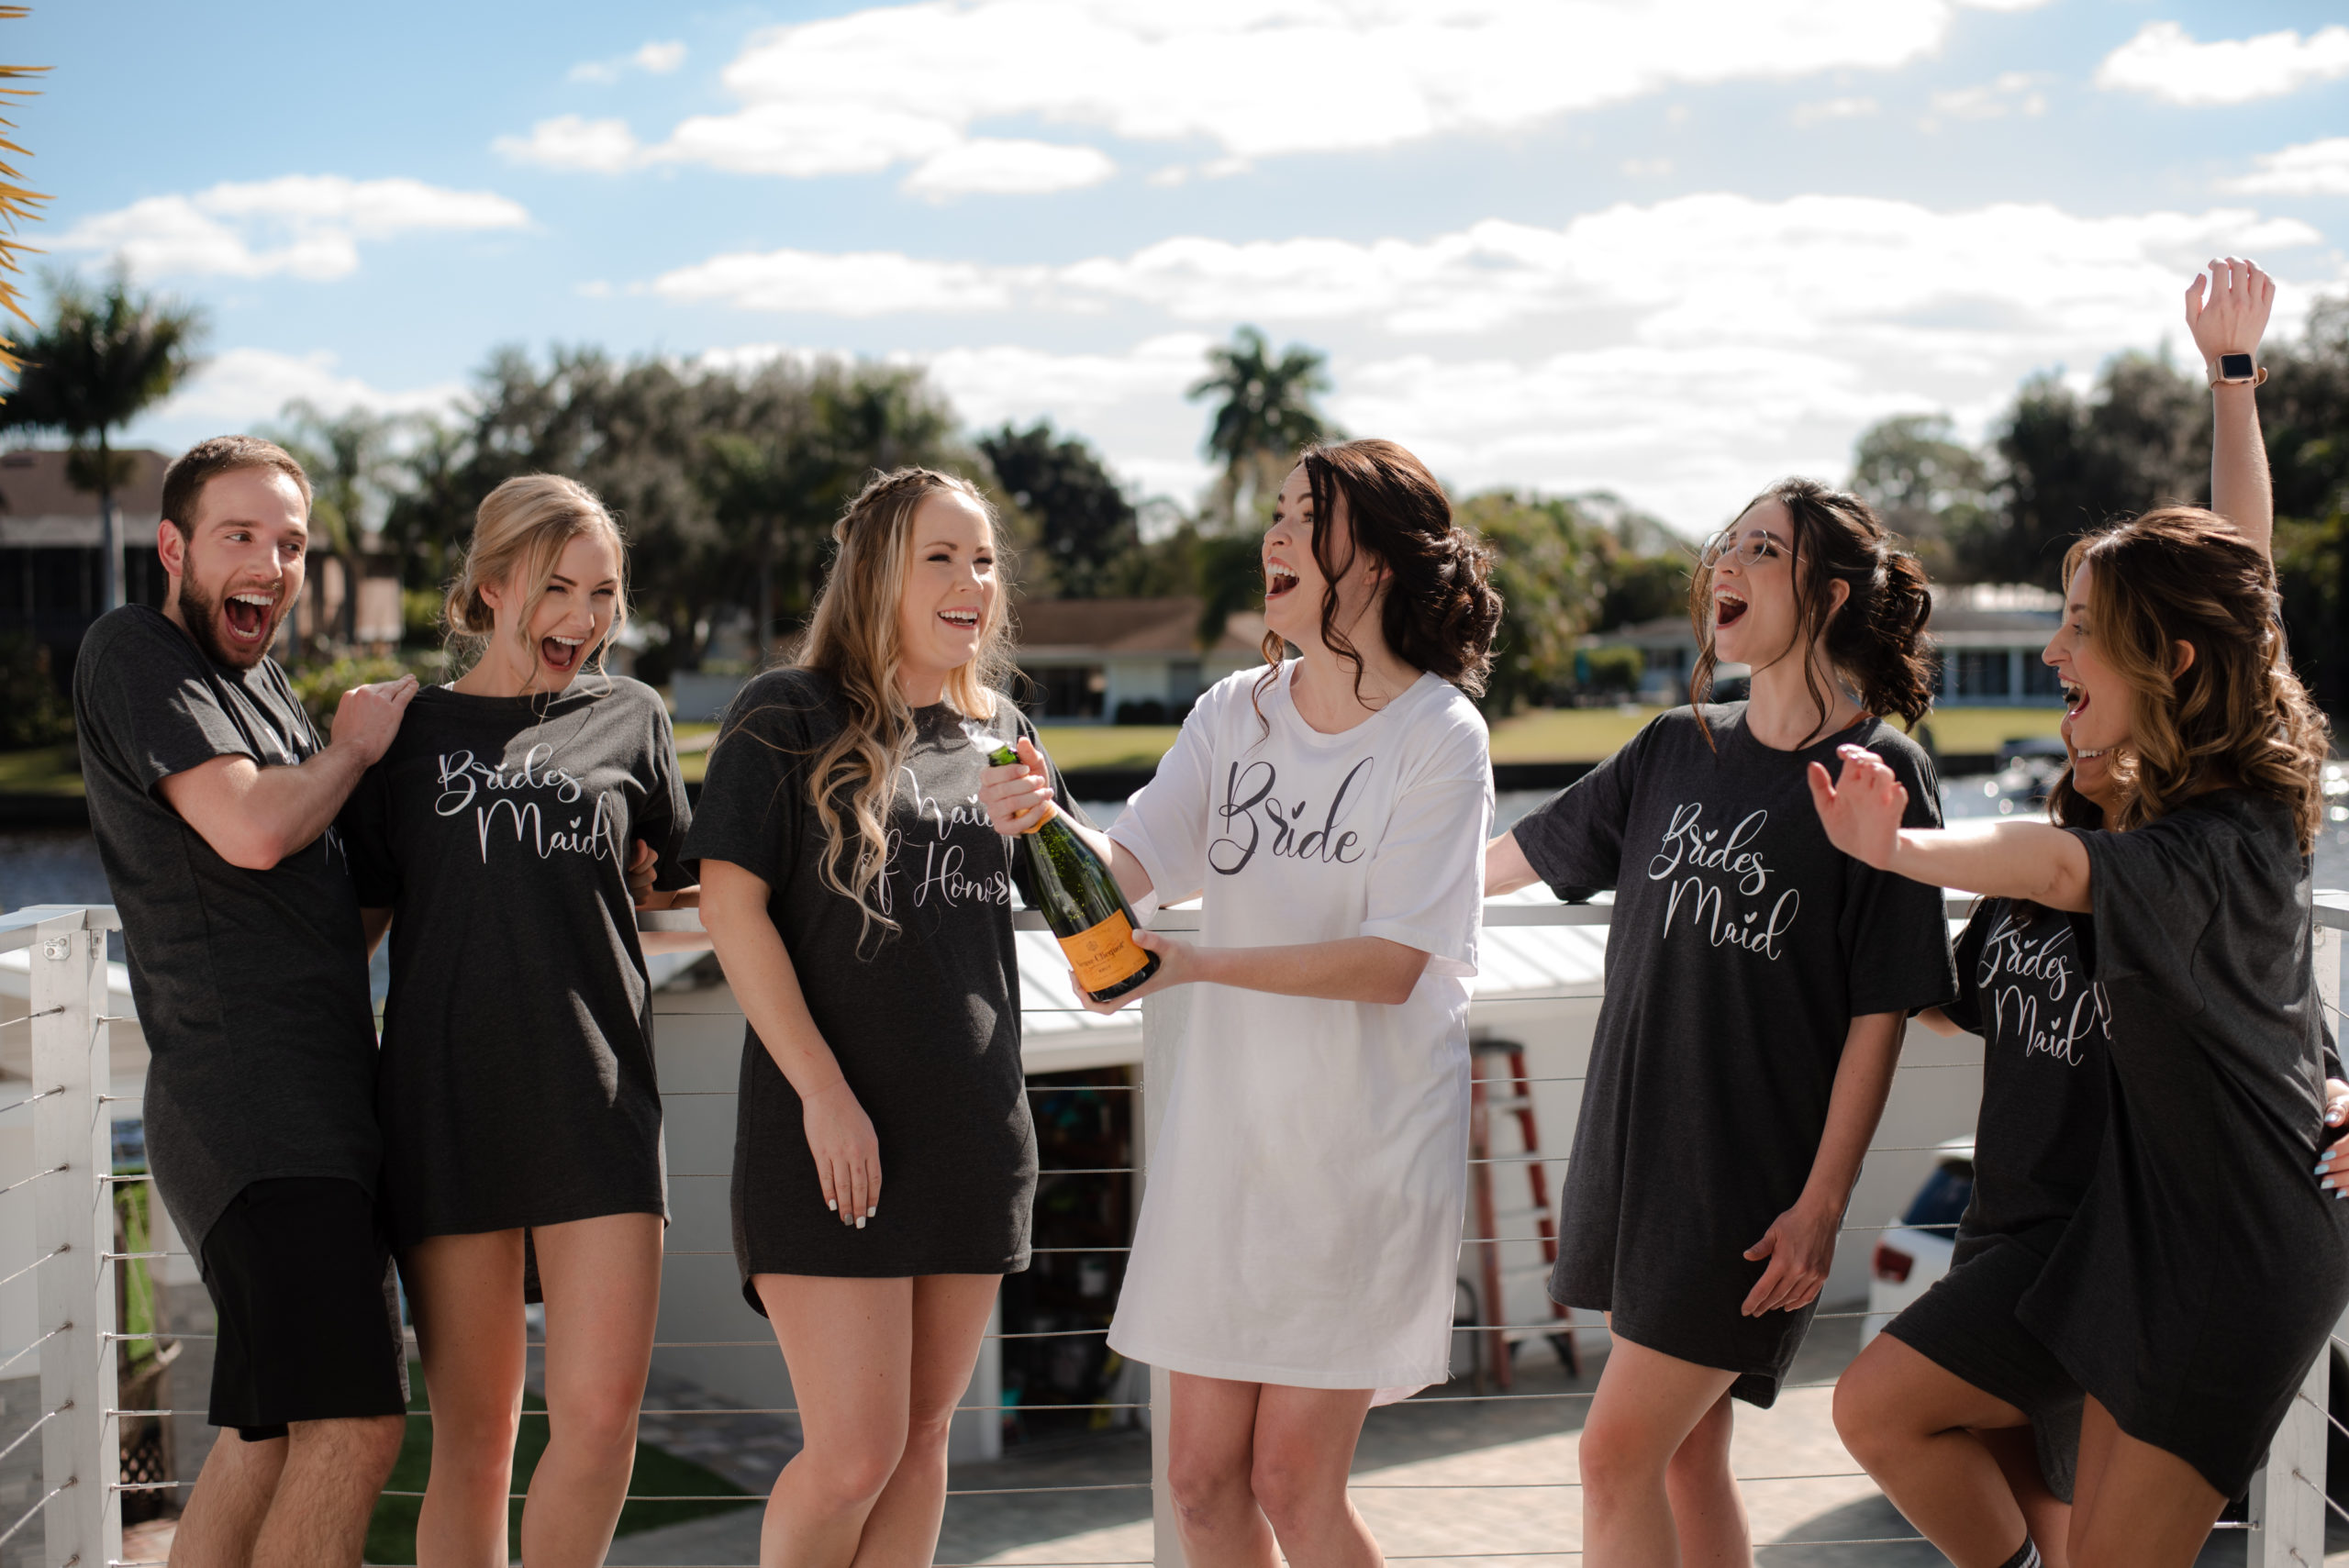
(1008, 168)
(572, 141)
(245, 388)
(856, 284)
(895, 84)
(2010, 92)
(1834, 109)
(1681, 270)
(1681, 352)
(2165, 61)
(653, 59)
(2310, 168)
(303, 225)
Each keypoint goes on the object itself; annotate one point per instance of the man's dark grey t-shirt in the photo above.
(250, 985)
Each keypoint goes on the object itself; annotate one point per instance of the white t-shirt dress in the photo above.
(1301, 1223)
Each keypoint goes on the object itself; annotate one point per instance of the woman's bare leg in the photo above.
(1211, 1443)
(849, 1343)
(1912, 1424)
(950, 1323)
(1707, 1512)
(2136, 1505)
(1648, 1405)
(602, 1281)
(2049, 1518)
(466, 1295)
(1302, 1452)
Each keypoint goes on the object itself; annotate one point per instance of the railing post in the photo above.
(1164, 1018)
(73, 1216)
(2287, 1495)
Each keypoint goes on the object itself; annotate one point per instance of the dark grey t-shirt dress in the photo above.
(1741, 947)
(2204, 1269)
(517, 1085)
(924, 1020)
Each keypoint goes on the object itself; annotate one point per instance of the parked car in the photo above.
(1910, 1257)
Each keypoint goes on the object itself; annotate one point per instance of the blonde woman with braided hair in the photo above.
(861, 902)
(505, 839)
(2203, 1269)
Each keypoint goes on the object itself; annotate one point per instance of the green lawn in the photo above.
(391, 1534)
(1988, 729)
(48, 770)
(1539, 735)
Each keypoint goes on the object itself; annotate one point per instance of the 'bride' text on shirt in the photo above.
(1324, 843)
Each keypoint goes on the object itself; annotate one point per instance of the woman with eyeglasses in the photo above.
(1757, 983)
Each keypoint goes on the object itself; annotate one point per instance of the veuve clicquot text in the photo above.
(1083, 904)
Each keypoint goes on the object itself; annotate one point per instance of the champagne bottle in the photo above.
(1083, 904)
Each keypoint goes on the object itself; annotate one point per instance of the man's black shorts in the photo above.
(302, 1278)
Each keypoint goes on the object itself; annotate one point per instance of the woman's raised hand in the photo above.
(1014, 793)
(848, 1155)
(1862, 810)
(2232, 316)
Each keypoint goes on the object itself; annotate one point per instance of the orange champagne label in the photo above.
(1104, 954)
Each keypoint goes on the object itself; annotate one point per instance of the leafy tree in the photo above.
(1643, 587)
(1263, 417)
(2140, 440)
(1086, 525)
(1929, 487)
(349, 457)
(1548, 565)
(106, 355)
(2304, 411)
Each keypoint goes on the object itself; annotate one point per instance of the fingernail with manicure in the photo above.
(859, 1224)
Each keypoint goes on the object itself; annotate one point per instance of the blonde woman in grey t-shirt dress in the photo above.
(497, 838)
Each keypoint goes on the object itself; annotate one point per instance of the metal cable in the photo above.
(36, 1176)
(29, 1100)
(37, 1507)
(61, 1247)
(18, 1440)
(35, 1345)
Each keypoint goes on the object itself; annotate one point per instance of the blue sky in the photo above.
(1670, 249)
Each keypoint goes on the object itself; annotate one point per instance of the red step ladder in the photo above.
(1510, 1093)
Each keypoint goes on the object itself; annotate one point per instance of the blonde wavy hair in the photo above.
(852, 638)
(2236, 715)
(520, 534)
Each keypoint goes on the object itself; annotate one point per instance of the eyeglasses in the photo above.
(1753, 550)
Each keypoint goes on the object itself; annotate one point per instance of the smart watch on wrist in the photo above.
(2236, 369)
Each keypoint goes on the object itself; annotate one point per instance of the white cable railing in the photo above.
(80, 1506)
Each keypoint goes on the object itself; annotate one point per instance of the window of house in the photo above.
(1981, 673)
(1066, 691)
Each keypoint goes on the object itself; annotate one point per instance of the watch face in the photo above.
(2234, 367)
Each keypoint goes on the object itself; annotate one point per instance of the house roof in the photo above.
(1168, 626)
(1979, 612)
(33, 485)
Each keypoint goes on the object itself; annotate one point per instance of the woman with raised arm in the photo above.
(516, 1085)
(1965, 1420)
(1294, 1260)
(861, 903)
(1757, 985)
(2203, 1269)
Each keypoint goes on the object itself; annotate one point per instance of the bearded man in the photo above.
(213, 800)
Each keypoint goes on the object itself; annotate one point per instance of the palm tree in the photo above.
(106, 356)
(1265, 417)
(353, 474)
(18, 205)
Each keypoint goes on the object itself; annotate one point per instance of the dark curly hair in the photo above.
(1439, 613)
(1876, 641)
